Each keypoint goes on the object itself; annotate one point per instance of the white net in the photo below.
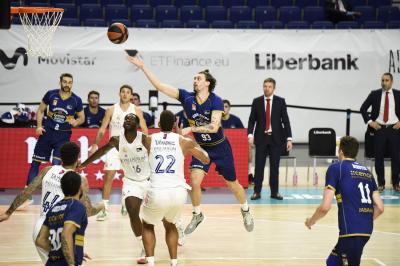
(40, 28)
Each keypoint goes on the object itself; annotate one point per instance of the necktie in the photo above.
(268, 115)
(386, 108)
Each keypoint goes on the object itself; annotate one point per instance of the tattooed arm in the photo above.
(67, 243)
(212, 127)
(25, 194)
(90, 209)
(42, 239)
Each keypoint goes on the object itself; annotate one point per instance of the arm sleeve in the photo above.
(182, 95)
(218, 104)
(46, 98)
(331, 178)
(79, 105)
(75, 214)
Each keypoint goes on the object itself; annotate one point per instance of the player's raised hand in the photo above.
(136, 61)
(4, 217)
(40, 131)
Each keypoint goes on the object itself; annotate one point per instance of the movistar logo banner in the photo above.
(272, 61)
(10, 62)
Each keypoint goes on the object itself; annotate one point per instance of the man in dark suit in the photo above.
(272, 131)
(384, 122)
(340, 10)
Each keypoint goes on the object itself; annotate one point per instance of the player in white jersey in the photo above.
(114, 118)
(168, 189)
(135, 163)
(49, 179)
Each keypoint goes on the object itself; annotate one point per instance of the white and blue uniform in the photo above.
(168, 189)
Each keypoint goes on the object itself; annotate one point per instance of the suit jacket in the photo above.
(374, 100)
(279, 120)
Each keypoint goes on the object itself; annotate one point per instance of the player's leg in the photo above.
(333, 258)
(226, 167)
(197, 175)
(351, 249)
(154, 205)
(172, 215)
(149, 242)
(111, 166)
(41, 154)
(58, 140)
(133, 207)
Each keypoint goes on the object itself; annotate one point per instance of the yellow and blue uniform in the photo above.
(56, 123)
(93, 120)
(354, 185)
(216, 145)
(66, 211)
(232, 122)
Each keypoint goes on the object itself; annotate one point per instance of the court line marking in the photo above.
(256, 220)
(27, 259)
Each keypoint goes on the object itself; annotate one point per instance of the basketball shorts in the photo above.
(112, 160)
(132, 188)
(220, 154)
(347, 251)
(51, 140)
(42, 253)
(61, 262)
(164, 203)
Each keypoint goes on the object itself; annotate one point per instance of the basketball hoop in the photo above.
(39, 24)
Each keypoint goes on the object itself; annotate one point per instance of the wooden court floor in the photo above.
(279, 238)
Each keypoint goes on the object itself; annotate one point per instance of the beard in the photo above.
(66, 89)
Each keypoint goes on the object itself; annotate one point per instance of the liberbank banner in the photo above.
(329, 69)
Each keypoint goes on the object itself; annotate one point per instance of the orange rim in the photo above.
(30, 9)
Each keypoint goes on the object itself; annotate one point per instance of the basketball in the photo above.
(117, 33)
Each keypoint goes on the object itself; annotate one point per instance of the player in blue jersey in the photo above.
(63, 231)
(229, 120)
(61, 106)
(204, 110)
(94, 114)
(358, 200)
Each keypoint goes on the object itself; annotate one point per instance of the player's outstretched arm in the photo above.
(113, 142)
(162, 87)
(322, 209)
(100, 133)
(67, 243)
(378, 204)
(25, 194)
(91, 209)
(42, 239)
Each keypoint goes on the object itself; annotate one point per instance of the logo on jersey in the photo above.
(207, 112)
(10, 62)
(69, 107)
(193, 106)
(55, 102)
(139, 149)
